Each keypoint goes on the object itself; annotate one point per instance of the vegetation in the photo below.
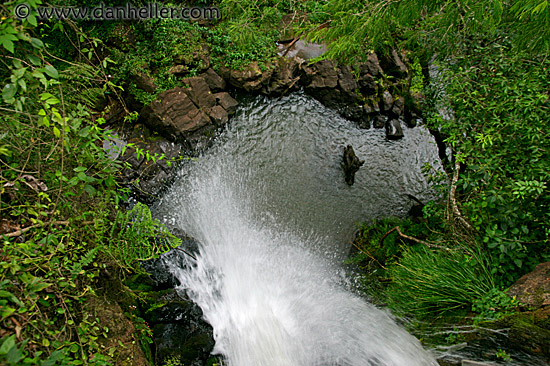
(62, 210)
(491, 226)
(61, 207)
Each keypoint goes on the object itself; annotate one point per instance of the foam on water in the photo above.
(270, 211)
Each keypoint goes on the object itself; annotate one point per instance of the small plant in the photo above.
(494, 305)
(502, 355)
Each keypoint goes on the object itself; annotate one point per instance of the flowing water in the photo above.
(272, 214)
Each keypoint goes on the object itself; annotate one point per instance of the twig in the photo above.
(186, 253)
(366, 252)
(24, 230)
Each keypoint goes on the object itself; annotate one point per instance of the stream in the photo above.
(273, 217)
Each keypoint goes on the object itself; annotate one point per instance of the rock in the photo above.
(474, 363)
(227, 102)
(284, 79)
(394, 65)
(144, 82)
(200, 93)
(351, 164)
(346, 80)
(533, 289)
(394, 130)
(174, 114)
(379, 121)
(180, 331)
(218, 115)
(387, 100)
(304, 50)
(371, 66)
(367, 84)
(251, 78)
(398, 106)
(122, 337)
(320, 75)
(215, 82)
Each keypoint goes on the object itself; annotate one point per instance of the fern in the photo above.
(81, 82)
(84, 261)
(140, 236)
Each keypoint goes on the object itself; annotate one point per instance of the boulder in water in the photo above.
(394, 130)
(351, 164)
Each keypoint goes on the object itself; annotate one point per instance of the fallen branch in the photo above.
(412, 238)
(24, 230)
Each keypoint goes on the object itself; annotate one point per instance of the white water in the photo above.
(269, 209)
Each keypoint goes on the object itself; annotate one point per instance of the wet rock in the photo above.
(379, 121)
(533, 289)
(180, 332)
(394, 130)
(174, 114)
(219, 115)
(351, 164)
(148, 177)
(227, 102)
(367, 84)
(394, 65)
(387, 100)
(215, 82)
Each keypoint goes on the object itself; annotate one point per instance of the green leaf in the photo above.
(7, 41)
(36, 43)
(51, 71)
(82, 176)
(32, 20)
(35, 60)
(9, 91)
(56, 132)
(7, 345)
(91, 190)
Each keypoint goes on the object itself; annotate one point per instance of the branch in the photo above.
(412, 238)
(24, 230)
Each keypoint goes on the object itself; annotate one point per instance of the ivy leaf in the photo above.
(51, 71)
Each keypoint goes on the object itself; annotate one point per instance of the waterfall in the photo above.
(271, 212)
